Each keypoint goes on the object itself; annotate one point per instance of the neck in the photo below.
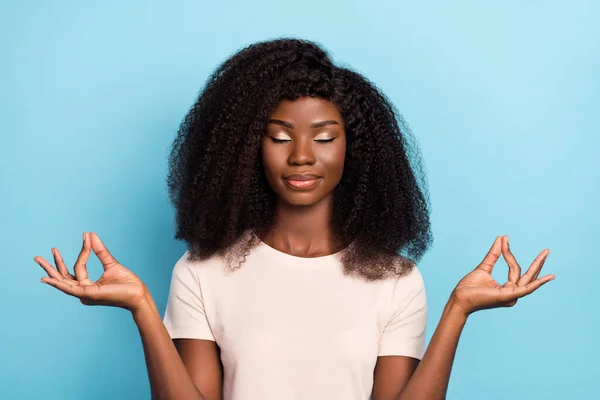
(303, 231)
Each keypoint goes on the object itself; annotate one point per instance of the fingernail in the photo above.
(83, 237)
(507, 243)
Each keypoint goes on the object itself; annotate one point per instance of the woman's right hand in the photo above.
(117, 287)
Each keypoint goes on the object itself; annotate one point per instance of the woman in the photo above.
(296, 187)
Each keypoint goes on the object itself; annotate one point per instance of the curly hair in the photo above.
(216, 180)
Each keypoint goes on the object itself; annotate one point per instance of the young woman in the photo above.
(297, 187)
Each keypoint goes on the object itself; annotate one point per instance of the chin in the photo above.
(303, 199)
(300, 201)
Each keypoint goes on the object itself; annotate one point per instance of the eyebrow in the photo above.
(319, 124)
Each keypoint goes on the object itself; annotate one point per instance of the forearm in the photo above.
(169, 379)
(430, 379)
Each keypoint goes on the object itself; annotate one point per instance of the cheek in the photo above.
(271, 160)
(334, 159)
(266, 157)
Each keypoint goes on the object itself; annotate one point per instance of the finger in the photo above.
(52, 273)
(514, 269)
(102, 252)
(492, 256)
(72, 290)
(60, 264)
(79, 268)
(509, 284)
(521, 291)
(534, 269)
(541, 266)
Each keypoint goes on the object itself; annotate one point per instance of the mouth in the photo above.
(303, 184)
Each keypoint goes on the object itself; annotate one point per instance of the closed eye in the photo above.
(279, 140)
(275, 140)
(325, 140)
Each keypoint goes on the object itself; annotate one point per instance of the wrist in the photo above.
(144, 307)
(456, 309)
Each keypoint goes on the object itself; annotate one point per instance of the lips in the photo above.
(302, 177)
(302, 181)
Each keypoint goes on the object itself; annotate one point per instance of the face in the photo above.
(303, 150)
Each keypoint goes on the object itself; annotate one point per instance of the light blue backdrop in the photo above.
(503, 97)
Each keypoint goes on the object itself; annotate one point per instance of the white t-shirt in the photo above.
(295, 328)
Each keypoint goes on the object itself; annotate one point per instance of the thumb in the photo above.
(102, 252)
(492, 256)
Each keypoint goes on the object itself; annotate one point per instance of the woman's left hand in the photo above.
(479, 291)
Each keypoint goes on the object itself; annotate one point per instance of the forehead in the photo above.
(306, 110)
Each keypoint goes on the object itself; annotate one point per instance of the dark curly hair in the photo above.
(216, 180)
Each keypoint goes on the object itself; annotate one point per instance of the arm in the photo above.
(403, 377)
(202, 358)
(169, 378)
(391, 375)
(431, 377)
(476, 291)
(119, 287)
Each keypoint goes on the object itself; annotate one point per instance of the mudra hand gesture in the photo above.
(117, 287)
(478, 290)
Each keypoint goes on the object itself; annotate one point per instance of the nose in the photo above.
(302, 153)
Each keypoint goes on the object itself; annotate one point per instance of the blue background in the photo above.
(503, 97)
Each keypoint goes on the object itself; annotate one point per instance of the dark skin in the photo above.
(304, 136)
(292, 144)
(301, 227)
(191, 368)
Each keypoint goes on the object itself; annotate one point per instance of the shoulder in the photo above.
(412, 276)
(407, 283)
(404, 272)
(186, 265)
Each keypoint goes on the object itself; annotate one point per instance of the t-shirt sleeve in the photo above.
(185, 315)
(404, 334)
